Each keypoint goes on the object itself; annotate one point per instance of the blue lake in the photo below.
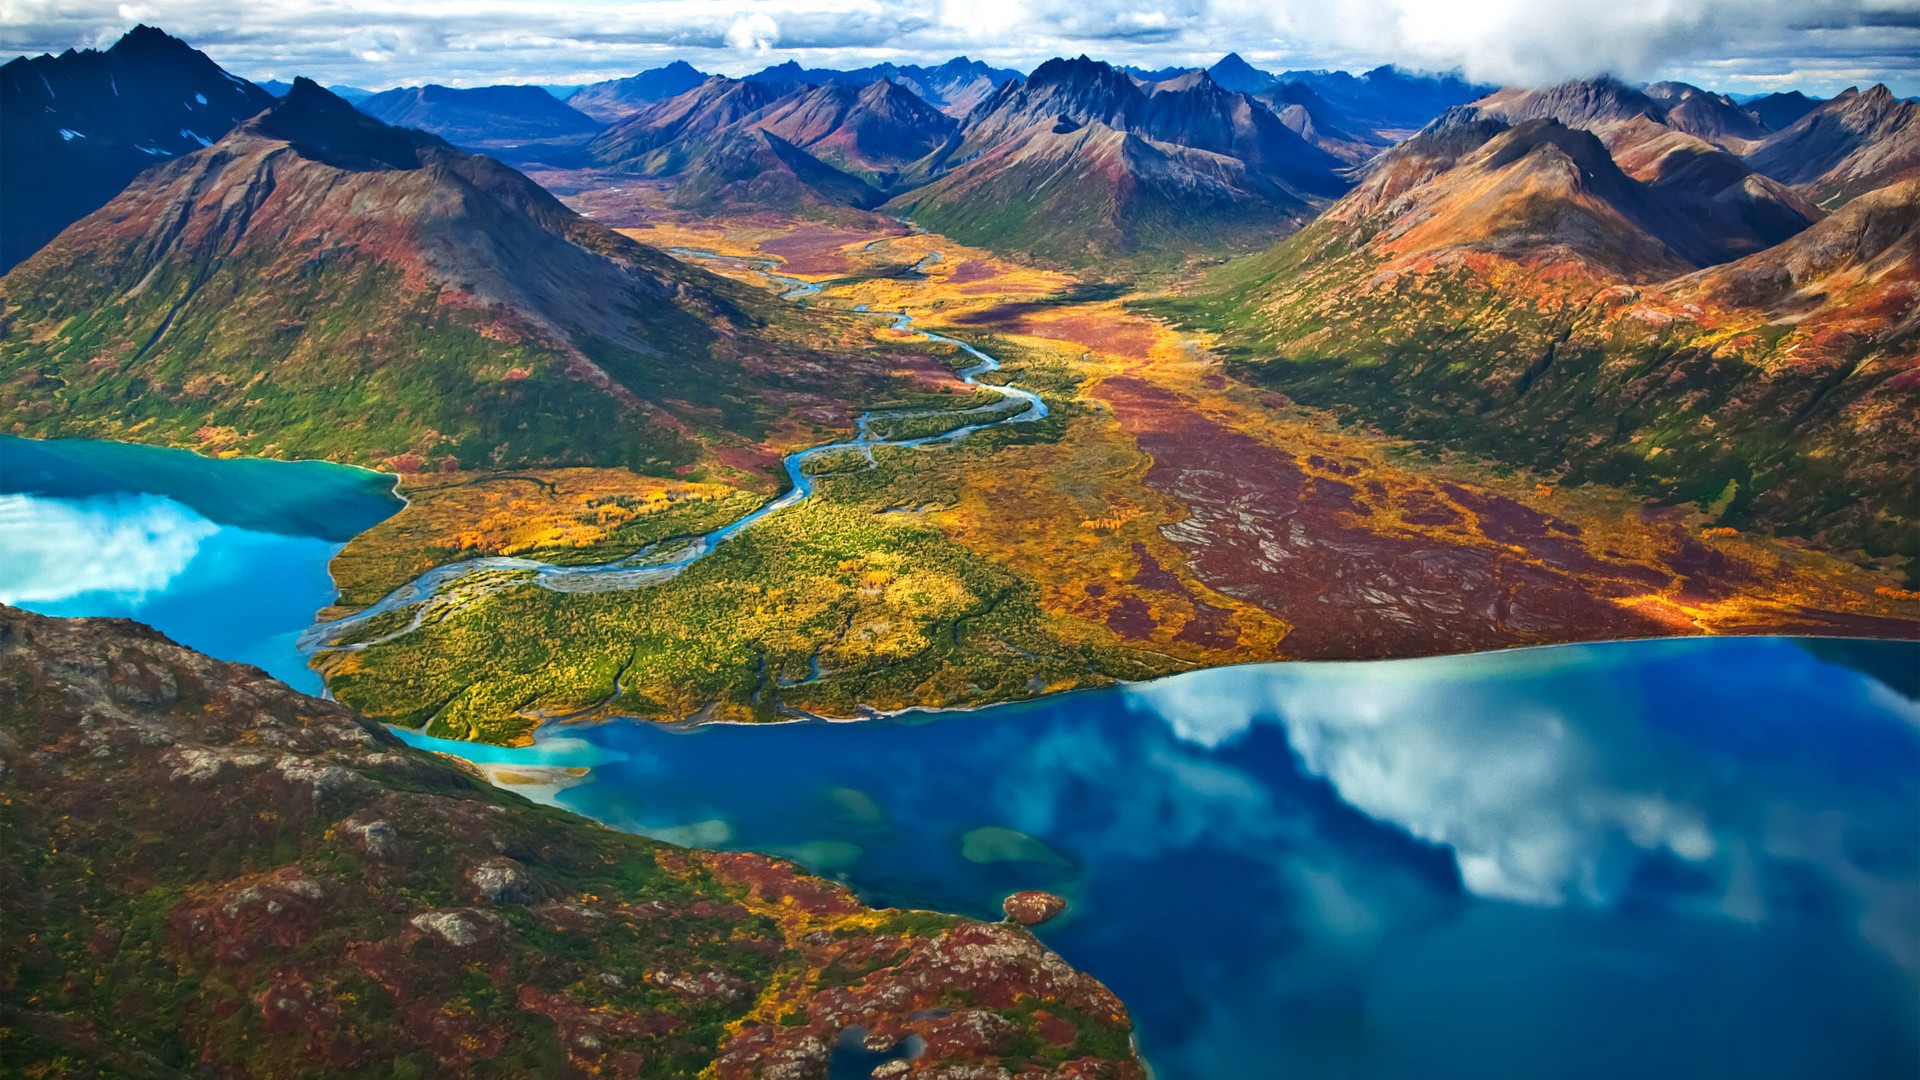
(227, 556)
(1651, 859)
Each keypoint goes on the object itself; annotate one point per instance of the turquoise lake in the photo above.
(227, 556)
(1667, 859)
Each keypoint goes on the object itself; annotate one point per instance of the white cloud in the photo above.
(131, 545)
(1818, 45)
(754, 32)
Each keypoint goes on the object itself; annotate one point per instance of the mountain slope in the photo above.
(873, 131)
(1510, 291)
(618, 99)
(1778, 111)
(479, 115)
(206, 873)
(1316, 120)
(754, 169)
(1715, 118)
(1845, 147)
(320, 284)
(1080, 164)
(1680, 150)
(75, 128)
(661, 138)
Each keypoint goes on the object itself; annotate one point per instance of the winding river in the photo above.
(658, 562)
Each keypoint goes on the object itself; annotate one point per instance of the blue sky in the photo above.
(1740, 45)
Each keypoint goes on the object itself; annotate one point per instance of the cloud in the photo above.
(754, 32)
(1819, 45)
(1552, 782)
(58, 549)
(1538, 41)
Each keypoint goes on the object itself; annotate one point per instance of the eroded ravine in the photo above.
(455, 584)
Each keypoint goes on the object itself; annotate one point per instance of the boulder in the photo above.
(1032, 907)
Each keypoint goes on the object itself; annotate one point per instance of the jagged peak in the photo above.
(1582, 147)
(1195, 80)
(305, 94)
(1077, 70)
(791, 71)
(1457, 122)
(324, 127)
(1579, 102)
(144, 38)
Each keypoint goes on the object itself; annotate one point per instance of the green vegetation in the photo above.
(345, 362)
(889, 610)
(348, 357)
(830, 606)
(1545, 374)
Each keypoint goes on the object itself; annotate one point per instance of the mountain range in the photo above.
(319, 283)
(1080, 163)
(1161, 169)
(1585, 279)
(955, 87)
(1537, 272)
(75, 128)
(1706, 308)
(837, 142)
(480, 115)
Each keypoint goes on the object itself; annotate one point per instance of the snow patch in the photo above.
(69, 134)
(196, 137)
(201, 98)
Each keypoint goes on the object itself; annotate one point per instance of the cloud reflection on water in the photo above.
(129, 545)
(1549, 778)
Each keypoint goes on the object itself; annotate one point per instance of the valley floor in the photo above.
(1164, 517)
